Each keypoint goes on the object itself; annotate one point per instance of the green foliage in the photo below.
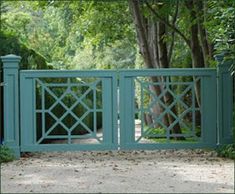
(120, 55)
(30, 59)
(106, 41)
(221, 25)
(227, 151)
(162, 131)
(6, 154)
(101, 34)
(104, 23)
(164, 140)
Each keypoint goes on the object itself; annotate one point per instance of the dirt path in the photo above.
(122, 172)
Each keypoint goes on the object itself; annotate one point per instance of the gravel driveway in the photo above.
(118, 171)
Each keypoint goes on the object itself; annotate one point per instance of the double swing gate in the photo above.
(54, 110)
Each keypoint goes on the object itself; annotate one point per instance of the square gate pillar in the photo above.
(11, 102)
(225, 100)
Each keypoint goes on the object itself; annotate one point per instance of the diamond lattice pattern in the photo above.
(160, 107)
(68, 110)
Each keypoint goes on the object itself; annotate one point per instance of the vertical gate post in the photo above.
(11, 102)
(225, 100)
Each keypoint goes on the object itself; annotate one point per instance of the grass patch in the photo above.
(153, 133)
(6, 154)
(164, 140)
(227, 151)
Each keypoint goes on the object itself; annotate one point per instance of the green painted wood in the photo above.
(27, 111)
(156, 146)
(225, 102)
(193, 108)
(29, 139)
(108, 79)
(11, 102)
(127, 110)
(207, 81)
(68, 147)
(115, 134)
(108, 114)
(67, 73)
(168, 72)
(208, 109)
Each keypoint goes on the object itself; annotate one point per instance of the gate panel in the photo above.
(68, 110)
(176, 108)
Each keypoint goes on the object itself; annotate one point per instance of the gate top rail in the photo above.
(169, 72)
(67, 73)
(126, 72)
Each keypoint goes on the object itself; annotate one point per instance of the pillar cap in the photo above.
(10, 58)
(11, 61)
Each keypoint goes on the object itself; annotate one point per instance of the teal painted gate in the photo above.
(54, 110)
(59, 109)
(174, 91)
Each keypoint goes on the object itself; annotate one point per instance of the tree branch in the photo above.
(169, 25)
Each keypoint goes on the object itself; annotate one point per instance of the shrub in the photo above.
(6, 154)
(227, 151)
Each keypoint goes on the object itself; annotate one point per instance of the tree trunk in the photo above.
(141, 32)
(154, 51)
(196, 49)
(202, 31)
(146, 36)
(148, 119)
(174, 19)
(163, 56)
(157, 109)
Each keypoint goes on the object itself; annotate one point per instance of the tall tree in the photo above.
(154, 49)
